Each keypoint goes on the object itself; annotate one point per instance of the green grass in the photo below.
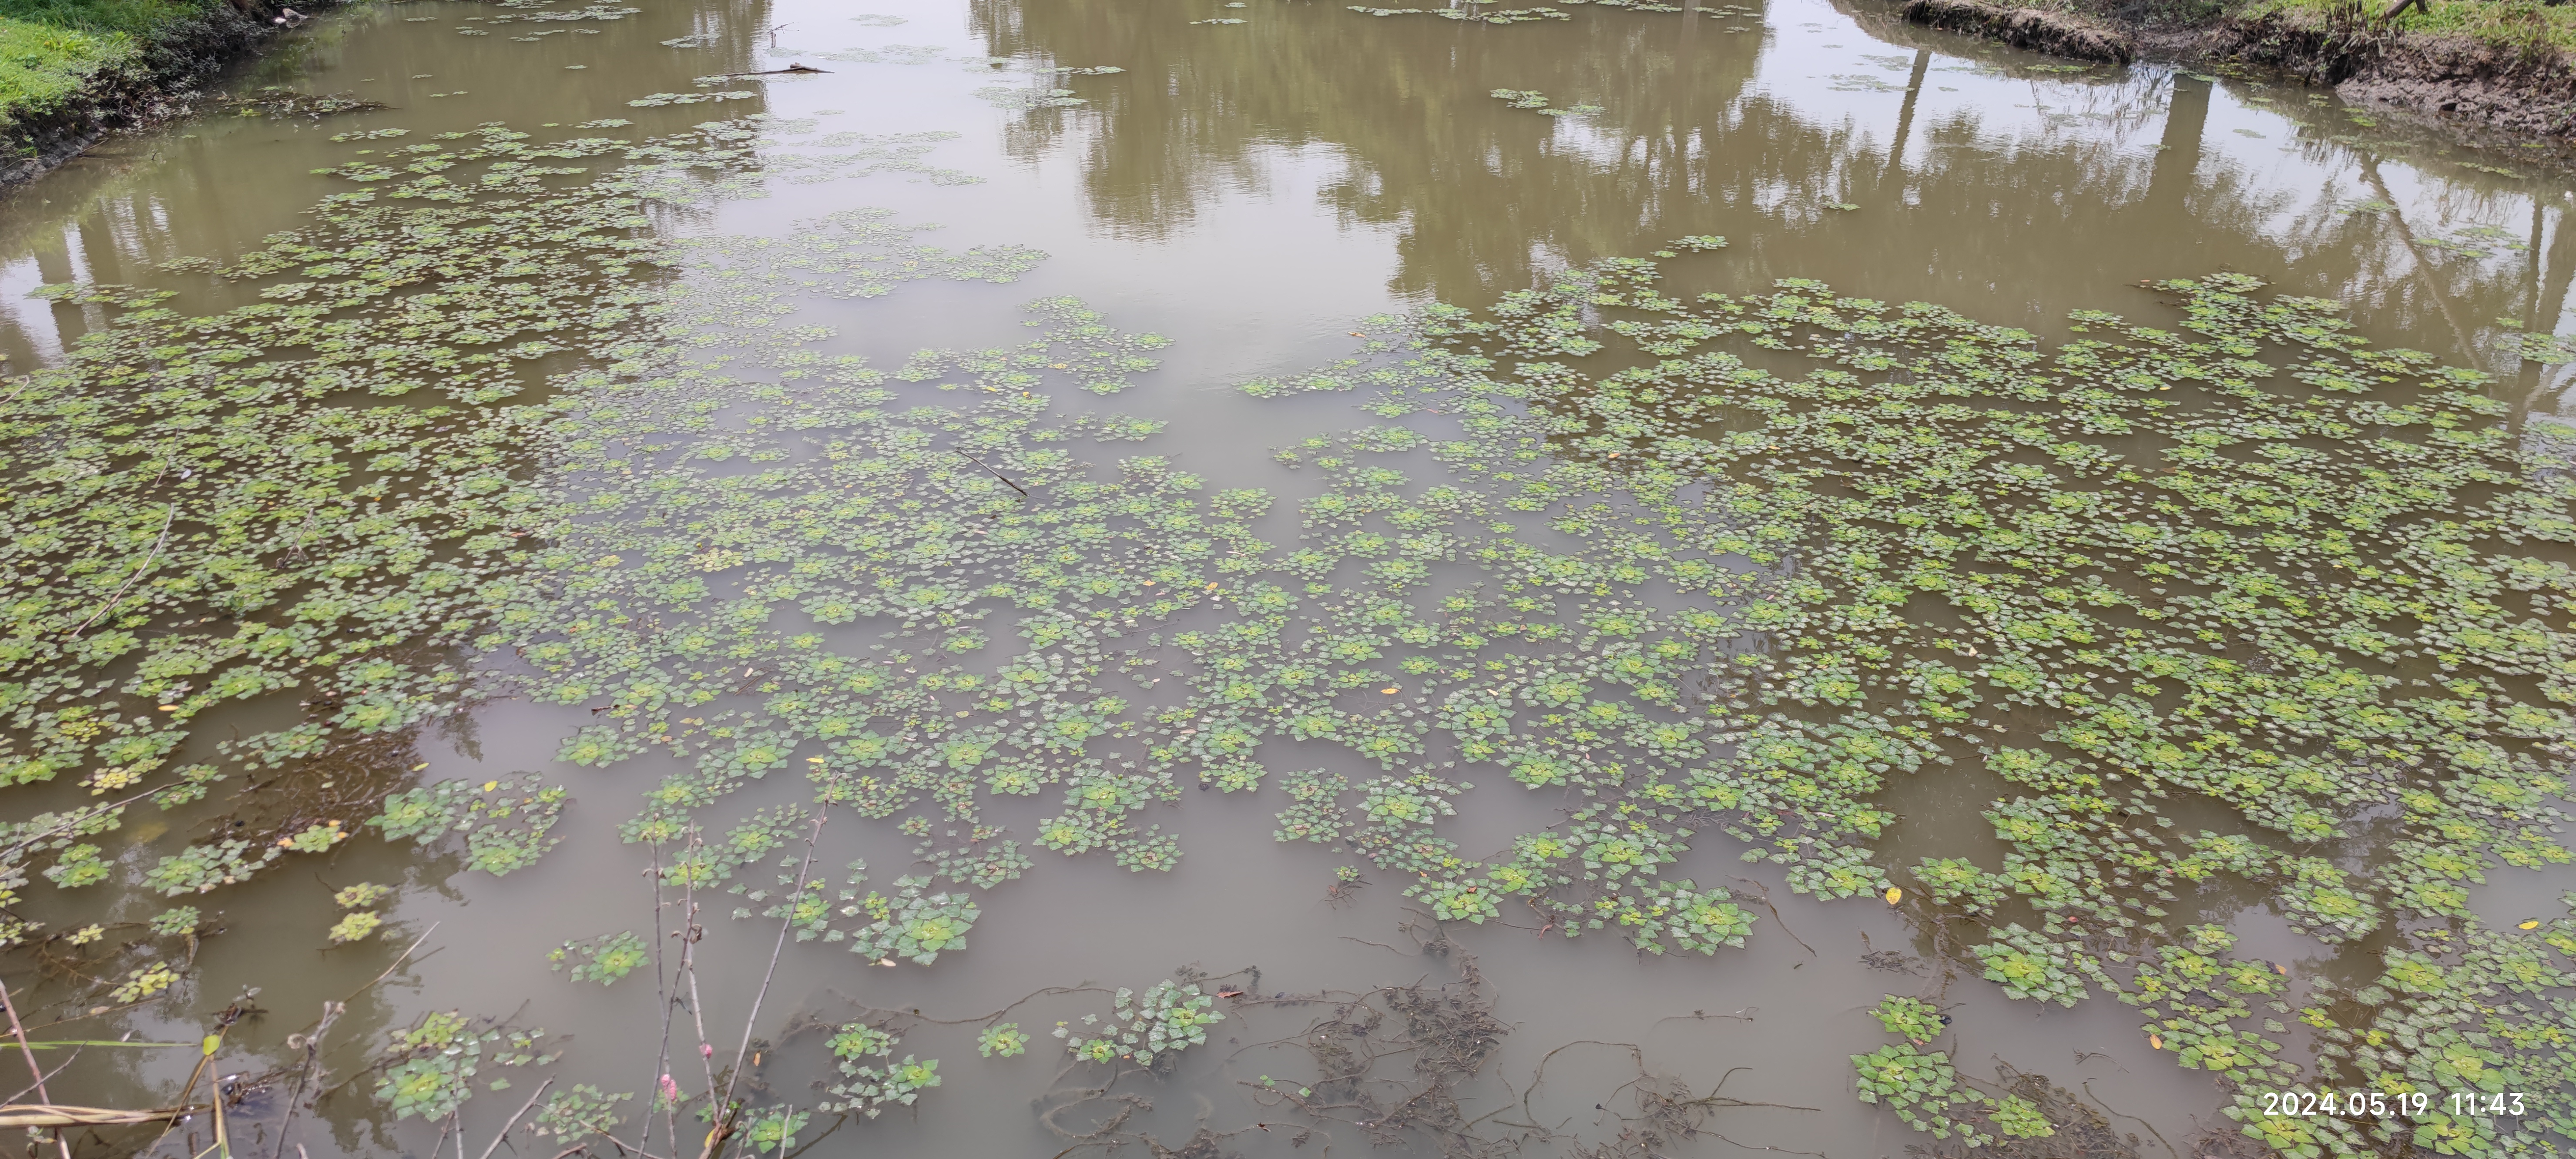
(50, 48)
(40, 64)
(2524, 25)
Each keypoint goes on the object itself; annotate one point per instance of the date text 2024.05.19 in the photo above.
(2360, 1104)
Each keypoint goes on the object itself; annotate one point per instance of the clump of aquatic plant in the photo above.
(869, 1087)
(1536, 101)
(2015, 1117)
(78, 865)
(773, 1131)
(1912, 1019)
(1314, 813)
(361, 895)
(1022, 99)
(1479, 14)
(2261, 659)
(1169, 1017)
(2249, 561)
(2030, 965)
(278, 102)
(1921, 1088)
(430, 1069)
(143, 982)
(657, 100)
(603, 959)
(1957, 881)
(508, 822)
(576, 1113)
(361, 922)
(1927, 1093)
(298, 546)
(1005, 1040)
(1690, 919)
(279, 567)
(914, 924)
(204, 868)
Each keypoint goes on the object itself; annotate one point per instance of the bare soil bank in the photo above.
(2040, 30)
(2498, 88)
(2525, 92)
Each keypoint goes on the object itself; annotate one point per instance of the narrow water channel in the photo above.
(1586, 577)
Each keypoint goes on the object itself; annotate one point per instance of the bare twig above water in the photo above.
(73, 820)
(24, 1091)
(312, 1050)
(804, 874)
(20, 1030)
(662, 992)
(399, 959)
(1006, 480)
(514, 1120)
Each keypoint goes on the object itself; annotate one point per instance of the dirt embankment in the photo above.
(2040, 30)
(2498, 88)
(153, 88)
(2526, 92)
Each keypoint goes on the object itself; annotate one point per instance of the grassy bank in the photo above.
(73, 70)
(51, 49)
(2518, 25)
(2507, 24)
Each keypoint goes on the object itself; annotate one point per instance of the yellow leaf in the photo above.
(1894, 895)
(2533, 924)
(2156, 1040)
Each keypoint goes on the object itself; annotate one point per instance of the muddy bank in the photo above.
(2056, 33)
(152, 88)
(2496, 88)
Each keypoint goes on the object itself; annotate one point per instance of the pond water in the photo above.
(1585, 576)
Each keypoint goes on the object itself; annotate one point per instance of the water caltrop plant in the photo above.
(1684, 568)
(1169, 1017)
(1912, 1019)
(2253, 563)
(603, 959)
(869, 1087)
(1921, 1088)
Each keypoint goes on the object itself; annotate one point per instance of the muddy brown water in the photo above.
(1249, 190)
